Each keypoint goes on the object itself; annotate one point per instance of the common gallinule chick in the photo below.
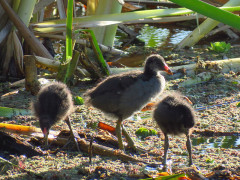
(175, 115)
(54, 103)
(123, 94)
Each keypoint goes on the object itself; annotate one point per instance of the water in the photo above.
(232, 142)
(156, 36)
(178, 36)
(153, 36)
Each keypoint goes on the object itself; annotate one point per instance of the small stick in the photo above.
(72, 134)
(90, 149)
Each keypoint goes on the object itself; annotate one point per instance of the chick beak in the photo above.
(168, 70)
(188, 100)
(45, 133)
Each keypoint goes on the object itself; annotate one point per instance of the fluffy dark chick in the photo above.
(54, 103)
(174, 115)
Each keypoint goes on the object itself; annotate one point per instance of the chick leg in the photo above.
(71, 131)
(46, 139)
(119, 133)
(129, 139)
(189, 148)
(166, 145)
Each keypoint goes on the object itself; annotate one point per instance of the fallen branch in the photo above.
(16, 145)
(200, 78)
(103, 48)
(218, 66)
(61, 141)
(226, 29)
(96, 149)
(106, 151)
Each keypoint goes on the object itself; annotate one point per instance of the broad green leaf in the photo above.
(211, 11)
(238, 104)
(153, 132)
(209, 160)
(144, 132)
(10, 112)
(220, 47)
(78, 100)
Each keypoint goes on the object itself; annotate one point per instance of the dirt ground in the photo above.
(219, 97)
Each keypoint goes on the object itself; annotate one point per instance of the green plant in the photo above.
(211, 11)
(69, 47)
(144, 132)
(238, 104)
(78, 100)
(209, 160)
(220, 47)
(64, 69)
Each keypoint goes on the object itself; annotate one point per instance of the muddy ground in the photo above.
(208, 152)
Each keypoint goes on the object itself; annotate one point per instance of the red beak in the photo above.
(168, 70)
(45, 132)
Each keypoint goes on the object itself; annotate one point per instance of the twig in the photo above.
(84, 42)
(90, 150)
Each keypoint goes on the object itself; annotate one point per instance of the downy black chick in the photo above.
(175, 115)
(54, 103)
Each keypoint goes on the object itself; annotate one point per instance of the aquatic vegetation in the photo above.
(144, 132)
(220, 47)
(78, 100)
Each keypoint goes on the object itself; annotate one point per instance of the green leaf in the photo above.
(211, 11)
(234, 82)
(69, 30)
(9, 112)
(144, 132)
(209, 160)
(78, 100)
(238, 104)
(153, 132)
(220, 47)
